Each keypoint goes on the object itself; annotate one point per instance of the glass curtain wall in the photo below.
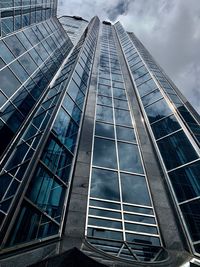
(178, 151)
(36, 176)
(121, 218)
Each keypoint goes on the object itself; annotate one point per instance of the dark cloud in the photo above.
(121, 8)
(168, 28)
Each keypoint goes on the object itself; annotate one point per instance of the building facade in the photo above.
(99, 149)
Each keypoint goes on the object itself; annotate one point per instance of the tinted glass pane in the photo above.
(191, 213)
(143, 78)
(134, 189)
(147, 87)
(9, 83)
(104, 90)
(176, 150)
(138, 218)
(103, 129)
(138, 209)
(165, 126)
(123, 117)
(120, 104)
(152, 97)
(104, 223)
(102, 233)
(104, 184)
(129, 158)
(119, 93)
(158, 110)
(141, 228)
(105, 213)
(186, 181)
(104, 204)
(139, 72)
(104, 113)
(143, 239)
(124, 133)
(102, 100)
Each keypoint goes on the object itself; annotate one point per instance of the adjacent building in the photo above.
(99, 149)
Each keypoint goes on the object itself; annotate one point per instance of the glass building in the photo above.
(99, 150)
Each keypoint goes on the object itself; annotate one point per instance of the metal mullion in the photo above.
(152, 123)
(189, 200)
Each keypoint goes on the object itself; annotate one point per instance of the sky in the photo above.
(169, 29)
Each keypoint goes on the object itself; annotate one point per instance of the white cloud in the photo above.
(168, 28)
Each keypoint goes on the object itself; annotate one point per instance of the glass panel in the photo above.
(165, 126)
(191, 213)
(129, 158)
(158, 110)
(104, 204)
(143, 78)
(140, 228)
(134, 189)
(139, 218)
(123, 117)
(104, 90)
(46, 193)
(105, 153)
(104, 184)
(66, 129)
(139, 72)
(120, 104)
(9, 83)
(146, 88)
(102, 233)
(152, 97)
(186, 182)
(148, 240)
(104, 113)
(176, 150)
(119, 93)
(103, 129)
(104, 223)
(138, 209)
(102, 100)
(105, 213)
(126, 134)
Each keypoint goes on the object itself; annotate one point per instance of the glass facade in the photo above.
(36, 173)
(172, 132)
(94, 137)
(74, 27)
(121, 218)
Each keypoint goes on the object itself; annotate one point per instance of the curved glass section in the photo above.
(121, 219)
(179, 153)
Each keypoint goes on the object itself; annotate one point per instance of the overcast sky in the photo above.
(170, 30)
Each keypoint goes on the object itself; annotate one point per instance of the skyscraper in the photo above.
(99, 149)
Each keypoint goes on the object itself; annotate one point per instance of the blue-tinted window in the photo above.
(134, 189)
(146, 87)
(126, 134)
(123, 117)
(104, 184)
(139, 218)
(176, 150)
(152, 97)
(141, 228)
(129, 158)
(104, 113)
(158, 110)
(102, 100)
(165, 126)
(191, 213)
(105, 153)
(103, 129)
(186, 182)
(104, 223)
(102, 233)
(9, 82)
(105, 213)
(119, 93)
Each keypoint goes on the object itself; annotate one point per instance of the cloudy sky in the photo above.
(170, 30)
